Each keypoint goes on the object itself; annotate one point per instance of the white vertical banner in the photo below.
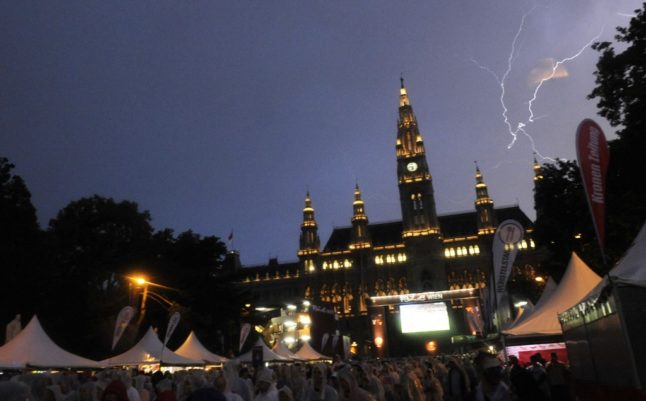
(508, 234)
(326, 336)
(346, 346)
(123, 318)
(505, 247)
(244, 333)
(335, 341)
(172, 325)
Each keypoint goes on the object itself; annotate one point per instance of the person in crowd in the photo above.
(165, 391)
(88, 391)
(537, 369)
(140, 386)
(236, 382)
(432, 386)
(265, 386)
(369, 382)
(115, 391)
(206, 394)
(126, 379)
(15, 391)
(222, 385)
(491, 387)
(557, 377)
(457, 381)
(285, 394)
(522, 382)
(318, 388)
(349, 389)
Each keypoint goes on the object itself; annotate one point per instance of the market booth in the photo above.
(32, 348)
(540, 331)
(193, 348)
(150, 352)
(605, 331)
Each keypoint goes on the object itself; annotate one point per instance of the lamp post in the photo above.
(144, 284)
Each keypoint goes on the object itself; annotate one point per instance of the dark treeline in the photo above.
(561, 206)
(73, 273)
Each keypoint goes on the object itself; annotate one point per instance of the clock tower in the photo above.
(421, 229)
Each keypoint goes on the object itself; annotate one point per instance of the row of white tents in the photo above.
(578, 283)
(32, 348)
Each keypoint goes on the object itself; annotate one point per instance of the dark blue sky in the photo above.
(219, 115)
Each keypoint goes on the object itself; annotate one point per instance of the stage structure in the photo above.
(426, 322)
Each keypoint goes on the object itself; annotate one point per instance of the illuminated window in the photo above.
(347, 263)
(379, 259)
(531, 243)
(452, 252)
(325, 265)
(335, 264)
(459, 251)
(447, 253)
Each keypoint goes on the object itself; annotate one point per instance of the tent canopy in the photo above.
(267, 354)
(630, 269)
(577, 281)
(308, 353)
(549, 289)
(32, 347)
(192, 348)
(282, 350)
(148, 351)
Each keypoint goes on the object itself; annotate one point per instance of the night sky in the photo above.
(220, 115)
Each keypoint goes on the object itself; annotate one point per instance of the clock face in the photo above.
(412, 166)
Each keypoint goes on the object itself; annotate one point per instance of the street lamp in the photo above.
(141, 281)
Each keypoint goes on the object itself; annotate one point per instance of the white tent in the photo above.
(631, 269)
(308, 353)
(148, 351)
(267, 354)
(549, 289)
(192, 348)
(32, 347)
(282, 350)
(577, 281)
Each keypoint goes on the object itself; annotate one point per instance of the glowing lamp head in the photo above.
(379, 341)
(139, 280)
(431, 346)
(539, 279)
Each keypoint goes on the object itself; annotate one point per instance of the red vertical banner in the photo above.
(592, 154)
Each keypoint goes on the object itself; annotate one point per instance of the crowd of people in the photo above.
(481, 377)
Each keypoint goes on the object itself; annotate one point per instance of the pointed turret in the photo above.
(538, 170)
(309, 241)
(360, 236)
(415, 183)
(484, 206)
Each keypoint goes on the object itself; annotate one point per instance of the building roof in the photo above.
(451, 225)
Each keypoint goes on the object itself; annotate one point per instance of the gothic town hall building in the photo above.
(423, 251)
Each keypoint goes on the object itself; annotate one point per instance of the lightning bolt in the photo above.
(555, 67)
(520, 126)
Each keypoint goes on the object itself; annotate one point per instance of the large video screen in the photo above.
(418, 318)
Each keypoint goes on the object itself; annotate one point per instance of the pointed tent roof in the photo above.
(192, 348)
(577, 282)
(549, 289)
(309, 353)
(267, 354)
(148, 351)
(631, 269)
(282, 350)
(33, 347)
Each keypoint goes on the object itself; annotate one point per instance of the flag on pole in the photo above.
(244, 333)
(505, 247)
(230, 237)
(123, 318)
(592, 154)
(172, 325)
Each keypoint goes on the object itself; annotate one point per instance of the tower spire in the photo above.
(360, 236)
(484, 206)
(309, 240)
